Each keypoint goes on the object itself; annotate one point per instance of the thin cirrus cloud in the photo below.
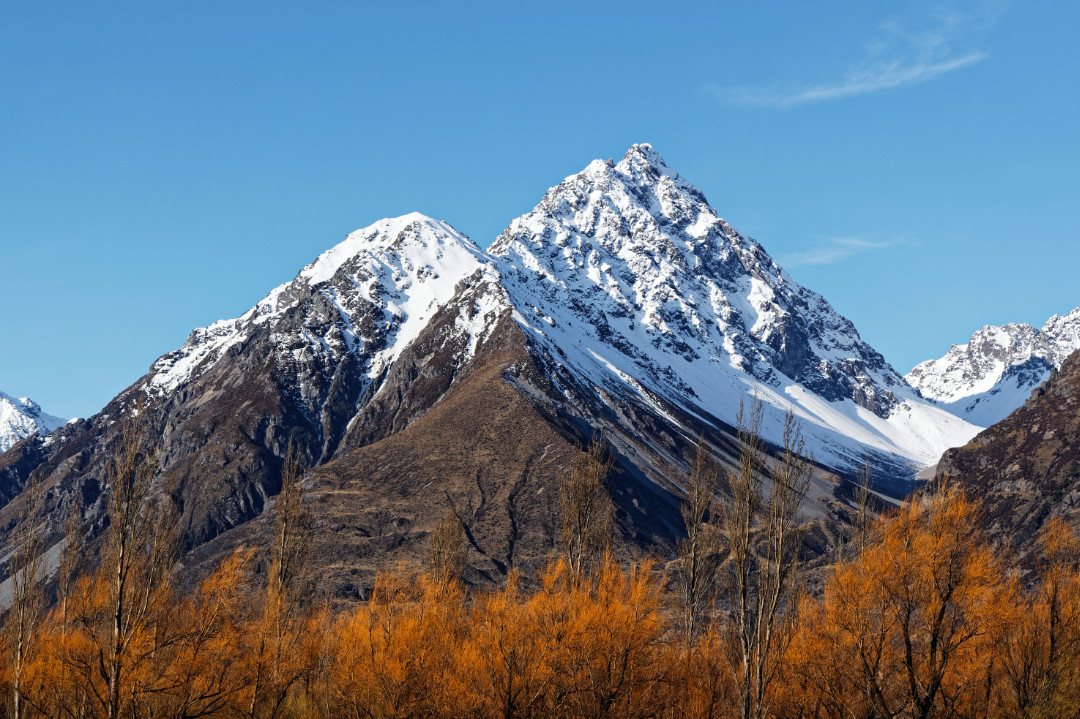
(897, 73)
(896, 57)
(835, 249)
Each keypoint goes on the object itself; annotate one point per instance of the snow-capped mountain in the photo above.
(366, 299)
(985, 379)
(626, 274)
(22, 417)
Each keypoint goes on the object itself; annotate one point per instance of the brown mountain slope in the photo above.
(492, 451)
(1026, 468)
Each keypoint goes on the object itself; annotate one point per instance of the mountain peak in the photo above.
(396, 272)
(643, 154)
(643, 167)
(22, 417)
(629, 264)
(414, 230)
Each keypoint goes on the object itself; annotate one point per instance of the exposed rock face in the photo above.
(411, 369)
(22, 417)
(992, 374)
(1026, 468)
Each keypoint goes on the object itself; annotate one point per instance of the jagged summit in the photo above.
(22, 417)
(625, 272)
(647, 152)
(996, 370)
(643, 165)
(642, 160)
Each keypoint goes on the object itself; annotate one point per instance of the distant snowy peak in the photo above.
(991, 375)
(624, 272)
(382, 283)
(22, 417)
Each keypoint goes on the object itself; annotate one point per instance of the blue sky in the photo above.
(163, 165)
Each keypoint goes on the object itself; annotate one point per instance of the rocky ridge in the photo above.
(1025, 469)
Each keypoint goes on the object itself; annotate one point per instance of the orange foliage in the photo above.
(394, 656)
(925, 622)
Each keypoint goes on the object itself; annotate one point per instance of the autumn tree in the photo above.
(1059, 575)
(907, 627)
(66, 695)
(395, 656)
(613, 650)
(1039, 653)
(510, 655)
(940, 586)
(292, 536)
(864, 517)
(585, 508)
(763, 539)
(202, 668)
(72, 559)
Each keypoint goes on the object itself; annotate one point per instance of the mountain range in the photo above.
(413, 370)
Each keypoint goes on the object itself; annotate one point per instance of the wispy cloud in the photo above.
(894, 74)
(896, 56)
(835, 249)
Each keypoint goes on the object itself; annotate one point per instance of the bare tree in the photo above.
(27, 586)
(293, 536)
(72, 564)
(72, 559)
(447, 552)
(699, 552)
(585, 508)
(764, 542)
(275, 667)
(141, 546)
(864, 518)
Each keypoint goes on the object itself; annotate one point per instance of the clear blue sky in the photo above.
(164, 164)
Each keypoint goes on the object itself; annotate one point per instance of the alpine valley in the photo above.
(413, 369)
